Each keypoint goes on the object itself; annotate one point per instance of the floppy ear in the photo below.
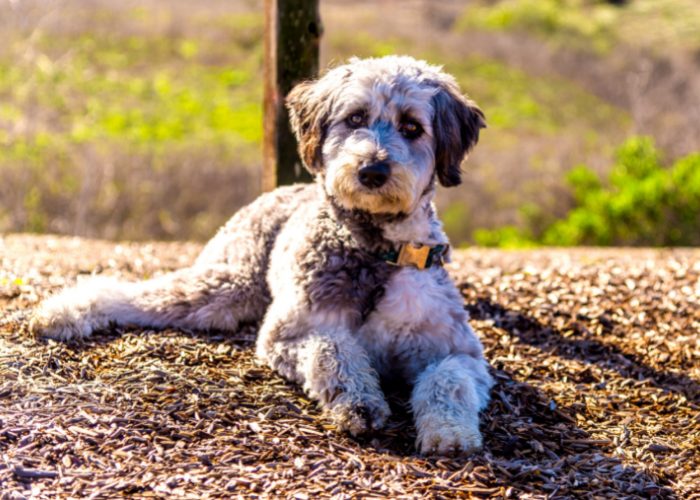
(308, 112)
(456, 127)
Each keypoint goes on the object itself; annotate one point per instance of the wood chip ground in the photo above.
(596, 354)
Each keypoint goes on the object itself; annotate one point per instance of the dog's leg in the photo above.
(200, 297)
(331, 366)
(446, 402)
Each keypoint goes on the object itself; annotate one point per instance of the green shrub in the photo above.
(640, 203)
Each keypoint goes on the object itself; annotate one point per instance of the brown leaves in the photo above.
(595, 354)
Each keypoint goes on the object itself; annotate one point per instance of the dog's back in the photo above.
(248, 237)
(244, 244)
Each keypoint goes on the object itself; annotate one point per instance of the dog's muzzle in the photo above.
(375, 175)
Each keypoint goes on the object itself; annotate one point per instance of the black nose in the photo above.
(375, 175)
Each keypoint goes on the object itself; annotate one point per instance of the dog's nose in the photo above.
(375, 175)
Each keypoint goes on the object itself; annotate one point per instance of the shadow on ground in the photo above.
(531, 443)
(581, 346)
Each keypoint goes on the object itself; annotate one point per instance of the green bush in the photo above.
(640, 203)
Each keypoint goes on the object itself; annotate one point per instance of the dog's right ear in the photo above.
(308, 113)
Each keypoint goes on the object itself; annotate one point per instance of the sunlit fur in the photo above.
(306, 262)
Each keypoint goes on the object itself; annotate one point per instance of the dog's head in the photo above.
(377, 132)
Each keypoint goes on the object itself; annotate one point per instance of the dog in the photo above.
(345, 274)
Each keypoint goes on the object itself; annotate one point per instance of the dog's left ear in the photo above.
(308, 113)
(456, 127)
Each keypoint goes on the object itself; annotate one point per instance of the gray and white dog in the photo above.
(345, 274)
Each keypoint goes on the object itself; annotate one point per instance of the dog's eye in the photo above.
(410, 129)
(356, 120)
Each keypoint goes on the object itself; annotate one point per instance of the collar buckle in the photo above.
(416, 254)
(413, 255)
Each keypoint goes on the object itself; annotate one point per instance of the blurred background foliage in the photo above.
(641, 202)
(142, 119)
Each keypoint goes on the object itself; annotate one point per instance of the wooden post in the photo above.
(292, 35)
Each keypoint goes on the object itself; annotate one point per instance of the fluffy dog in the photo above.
(345, 274)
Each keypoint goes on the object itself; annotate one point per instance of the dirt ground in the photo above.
(596, 355)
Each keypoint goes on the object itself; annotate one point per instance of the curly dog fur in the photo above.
(306, 260)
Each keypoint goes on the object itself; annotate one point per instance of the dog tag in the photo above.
(413, 255)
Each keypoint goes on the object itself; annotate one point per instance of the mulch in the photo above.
(596, 354)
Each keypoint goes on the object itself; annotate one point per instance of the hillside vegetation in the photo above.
(143, 119)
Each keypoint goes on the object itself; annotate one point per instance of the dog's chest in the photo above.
(415, 298)
(419, 317)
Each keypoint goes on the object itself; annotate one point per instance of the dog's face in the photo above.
(377, 132)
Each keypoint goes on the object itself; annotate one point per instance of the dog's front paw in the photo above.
(439, 437)
(361, 414)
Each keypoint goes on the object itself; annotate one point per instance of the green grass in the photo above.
(113, 91)
(143, 92)
(561, 21)
(595, 25)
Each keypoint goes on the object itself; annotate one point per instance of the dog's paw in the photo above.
(437, 437)
(360, 415)
(58, 319)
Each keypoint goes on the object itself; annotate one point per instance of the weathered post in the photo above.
(292, 35)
